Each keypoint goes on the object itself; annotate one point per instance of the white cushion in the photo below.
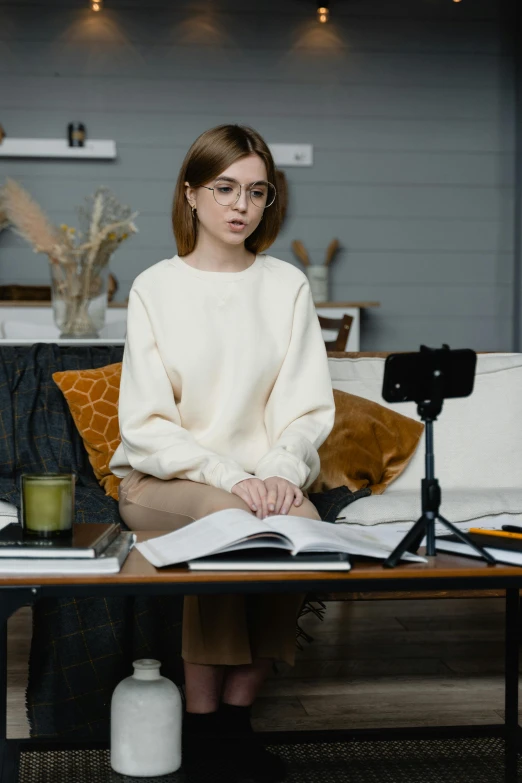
(457, 505)
(477, 439)
(8, 513)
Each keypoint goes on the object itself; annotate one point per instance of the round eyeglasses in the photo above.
(228, 191)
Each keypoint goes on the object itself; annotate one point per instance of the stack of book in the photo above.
(504, 545)
(91, 548)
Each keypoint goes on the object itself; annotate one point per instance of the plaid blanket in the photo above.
(81, 648)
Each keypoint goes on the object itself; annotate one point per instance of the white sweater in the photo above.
(224, 376)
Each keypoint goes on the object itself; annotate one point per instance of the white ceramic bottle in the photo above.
(146, 717)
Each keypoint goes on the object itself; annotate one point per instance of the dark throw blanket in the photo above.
(81, 648)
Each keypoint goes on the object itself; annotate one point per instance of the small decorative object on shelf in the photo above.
(317, 274)
(47, 504)
(146, 718)
(78, 260)
(2, 134)
(76, 135)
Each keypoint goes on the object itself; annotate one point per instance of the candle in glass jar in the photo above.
(48, 503)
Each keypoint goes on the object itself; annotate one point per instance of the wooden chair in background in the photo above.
(343, 325)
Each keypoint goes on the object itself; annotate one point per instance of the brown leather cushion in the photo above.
(369, 445)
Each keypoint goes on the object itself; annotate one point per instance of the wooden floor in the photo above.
(372, 663)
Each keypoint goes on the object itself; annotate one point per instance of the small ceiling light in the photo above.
(323, 13)
(456, 1)
(96, 5)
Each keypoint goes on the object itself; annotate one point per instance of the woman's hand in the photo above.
(254, 493)
(274, 495)
(281, 495)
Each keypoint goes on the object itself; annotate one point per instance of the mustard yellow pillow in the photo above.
(92, 396)
(369, 445)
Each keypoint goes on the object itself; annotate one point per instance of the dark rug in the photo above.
(477, 760)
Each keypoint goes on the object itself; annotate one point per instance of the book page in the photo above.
(268, 539)
(206, 536)
(320, 536)
(307, 534)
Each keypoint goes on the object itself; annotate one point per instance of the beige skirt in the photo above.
(221, 629)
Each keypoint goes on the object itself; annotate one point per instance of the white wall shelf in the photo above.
(284, 154)
(292, 154)
(57, 148)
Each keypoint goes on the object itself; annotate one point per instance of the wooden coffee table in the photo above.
(139, 577)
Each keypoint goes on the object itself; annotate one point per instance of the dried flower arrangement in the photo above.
(77, 258)
(3, 220)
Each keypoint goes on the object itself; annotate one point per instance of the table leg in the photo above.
(11, 599)
(512, 729)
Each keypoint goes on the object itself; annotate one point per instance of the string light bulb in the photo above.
(323, 13)
(96, 5)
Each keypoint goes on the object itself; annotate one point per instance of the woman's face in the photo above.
(219, 220)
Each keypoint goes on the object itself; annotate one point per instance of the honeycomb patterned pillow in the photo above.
(92, 397)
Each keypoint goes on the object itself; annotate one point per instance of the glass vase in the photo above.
(79, 297)
(318, 279)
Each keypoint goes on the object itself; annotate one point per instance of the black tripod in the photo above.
(428, 410)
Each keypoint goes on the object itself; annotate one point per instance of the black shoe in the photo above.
(250, 759)
(198, 725)
(204, 754)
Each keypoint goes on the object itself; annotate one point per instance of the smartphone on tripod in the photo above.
(408, 377)
(428, 378)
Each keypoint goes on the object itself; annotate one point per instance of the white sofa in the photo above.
(477, 447)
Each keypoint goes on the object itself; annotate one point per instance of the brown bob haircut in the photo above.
(213, 152)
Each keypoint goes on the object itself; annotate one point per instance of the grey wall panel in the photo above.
(173, 126)
(406, 9)
(384, 234)
(408, 106)
(159, 62)
(161, 96)
(222, 25)
(349, 268)
(434, 300)
(378, 168)
(480, 334)
(308, 199)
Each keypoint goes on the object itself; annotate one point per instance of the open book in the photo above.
(234, 531)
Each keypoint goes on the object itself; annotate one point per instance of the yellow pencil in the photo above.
(502, 533)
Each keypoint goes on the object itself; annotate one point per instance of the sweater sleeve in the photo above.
(300, 411)
(150, 423)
